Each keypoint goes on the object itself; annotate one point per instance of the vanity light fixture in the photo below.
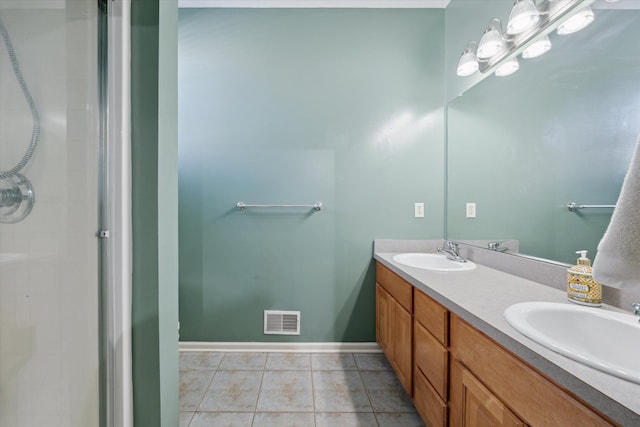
(530, 23)
(538, 48)
(577, 22)
(508, 68)
(468, 63)
(524, 16)
(492, 41)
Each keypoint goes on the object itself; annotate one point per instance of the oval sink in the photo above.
(605, 340)
(436, 262)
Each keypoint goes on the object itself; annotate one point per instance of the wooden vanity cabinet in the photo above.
(456, 375)
(490, 383)
(394, 323)
(431, 359)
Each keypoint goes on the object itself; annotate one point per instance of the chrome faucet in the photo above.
(452, 251)
(495, 246)
(636, 308)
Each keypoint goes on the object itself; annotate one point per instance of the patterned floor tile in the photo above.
(352, 419)
(193, 385)
(333, 362)
(288, 362)
(283, 419)
(372, 362)
(399, 419)
(339, 391)
(199, 360)
(185, 418)
(286, 391)
(235, 391)
(386, 392)
(243, 362)
(222, 419)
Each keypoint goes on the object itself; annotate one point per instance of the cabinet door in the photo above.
(383, 319)
(473, 405)
(394, 328)
(402, 343)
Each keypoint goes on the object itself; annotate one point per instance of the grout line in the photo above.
(255, 408)
(313, 391)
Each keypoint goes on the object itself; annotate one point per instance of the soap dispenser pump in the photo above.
(581, 287)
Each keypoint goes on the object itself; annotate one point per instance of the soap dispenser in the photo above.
(581, 287)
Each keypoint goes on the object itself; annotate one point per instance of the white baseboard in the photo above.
(282, 347)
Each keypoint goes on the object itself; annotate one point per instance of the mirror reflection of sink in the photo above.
(605, 340)
(436, 262)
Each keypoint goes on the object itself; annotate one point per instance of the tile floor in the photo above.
(291, 389)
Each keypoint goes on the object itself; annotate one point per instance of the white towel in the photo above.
(617, 263)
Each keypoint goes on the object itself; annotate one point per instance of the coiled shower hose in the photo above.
(35, 135)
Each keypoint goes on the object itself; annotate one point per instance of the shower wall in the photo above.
(289, 106)
(49, 368)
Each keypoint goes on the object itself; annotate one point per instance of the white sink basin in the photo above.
(436, 262)
(605, 340)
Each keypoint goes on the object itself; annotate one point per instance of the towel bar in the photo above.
(573, 206)
(242, 206)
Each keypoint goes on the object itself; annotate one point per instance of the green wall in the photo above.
(288, 106)
(154, 212)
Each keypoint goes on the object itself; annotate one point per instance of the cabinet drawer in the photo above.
(431, 359)
(433, 316)
(533, 397)
(397, 287)
(429, 405)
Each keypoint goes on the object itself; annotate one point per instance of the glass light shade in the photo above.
(577, 22)
(491, 42)
(468, 63)
(538, 48)
(523, 17)
(508, 68)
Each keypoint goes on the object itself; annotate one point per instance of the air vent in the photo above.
(281, 322)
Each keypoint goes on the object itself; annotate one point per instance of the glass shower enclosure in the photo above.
(52, 163)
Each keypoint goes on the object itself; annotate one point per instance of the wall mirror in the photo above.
(562, 129)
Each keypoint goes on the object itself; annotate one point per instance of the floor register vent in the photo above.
(281, 322)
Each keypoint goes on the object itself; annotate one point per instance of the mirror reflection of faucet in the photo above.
(495, 246)
(452, 251)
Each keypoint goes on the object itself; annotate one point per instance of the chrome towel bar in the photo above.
(316, 206)
(573, 206)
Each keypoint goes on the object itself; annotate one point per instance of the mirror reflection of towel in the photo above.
(617, 263)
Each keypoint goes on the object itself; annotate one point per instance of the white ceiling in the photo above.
(420, 4)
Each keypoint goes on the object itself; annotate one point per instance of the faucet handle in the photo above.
(636, 308)
(452, 245)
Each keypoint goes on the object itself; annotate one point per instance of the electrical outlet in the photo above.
(471, 210)
(419, 210)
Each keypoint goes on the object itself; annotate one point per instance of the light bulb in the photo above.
(523, 17)
(538, 48)
(491, 42)
(576, 22)
(508, 68)
(468, 63)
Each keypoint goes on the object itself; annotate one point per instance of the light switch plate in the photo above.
(419, 210)
(471, 210)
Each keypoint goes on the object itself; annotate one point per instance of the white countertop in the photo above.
(480, 297)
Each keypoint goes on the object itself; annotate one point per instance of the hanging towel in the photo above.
(617, 263)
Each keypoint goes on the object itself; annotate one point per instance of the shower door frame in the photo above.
(114, 199)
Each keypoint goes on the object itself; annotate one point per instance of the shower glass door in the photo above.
(50, 364)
